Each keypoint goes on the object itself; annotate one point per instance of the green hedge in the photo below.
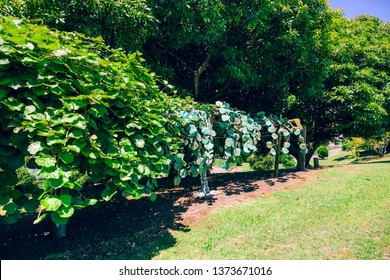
(69, 103)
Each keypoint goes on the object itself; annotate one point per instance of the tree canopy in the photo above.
(355, 93)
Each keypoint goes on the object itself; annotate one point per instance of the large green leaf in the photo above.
(4, 199)
(139, 141)
(107, 194)
(51, 203)
(10, 208)
(40, 219)
(177, 180)
(57, 219)
(35, 147)
(89, 202)
(183, 173)
(4, 61)
(229, 142)
(66, 157)
(46, 161)
(153, 196)
(11, 219)
(66, 200)
(65, 212)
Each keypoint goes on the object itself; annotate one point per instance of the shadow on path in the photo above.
(121, 228)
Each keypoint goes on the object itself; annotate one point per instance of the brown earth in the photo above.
(239, 191)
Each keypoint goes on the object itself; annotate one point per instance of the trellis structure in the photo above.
(221, 129)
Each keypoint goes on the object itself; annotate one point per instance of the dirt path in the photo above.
(176, 208)
(231, 193)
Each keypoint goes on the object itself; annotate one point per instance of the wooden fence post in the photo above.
(277, 157)
(302, 157)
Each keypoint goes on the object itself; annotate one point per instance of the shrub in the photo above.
(239, 161)
(346, 145)
(261, 163)
(287, 161)
(322, 152)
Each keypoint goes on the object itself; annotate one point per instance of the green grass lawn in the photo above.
(340, 158)
(340, 213)
(347, 157)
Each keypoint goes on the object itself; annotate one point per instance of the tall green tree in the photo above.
(262, 50)
(253, 49)
(355, 97)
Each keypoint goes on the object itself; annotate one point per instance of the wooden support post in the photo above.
(316, 162)
(302, 157)
(59, 230)
(204, 184)
(277, 158)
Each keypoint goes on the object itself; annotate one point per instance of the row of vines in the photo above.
(70, 104)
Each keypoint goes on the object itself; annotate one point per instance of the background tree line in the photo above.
(296, 58)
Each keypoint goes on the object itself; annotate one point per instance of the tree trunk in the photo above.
(197, 74)
(309, 155)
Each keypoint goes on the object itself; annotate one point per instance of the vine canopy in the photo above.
(71, 103)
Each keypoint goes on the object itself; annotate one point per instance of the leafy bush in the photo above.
(71, 104)
(377, 144)
(287, 161)
(322, 152)
(261, 163)
(346, 145)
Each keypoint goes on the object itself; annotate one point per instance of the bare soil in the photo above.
(246, 187)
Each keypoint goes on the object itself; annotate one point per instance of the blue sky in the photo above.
(378, 8)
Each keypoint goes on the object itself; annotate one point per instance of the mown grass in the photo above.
(341, 213)
(244, 167)
(339, 158)
(348, 157)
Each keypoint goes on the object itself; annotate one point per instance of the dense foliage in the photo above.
(377, 144)
(355, 94)
(125, 24)
(298, 58)
(71, 104)
(262, 163)
(322, 152)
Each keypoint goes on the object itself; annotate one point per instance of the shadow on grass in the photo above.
(121, 228)
(370, 162)
(347, 157)
(239, 182)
